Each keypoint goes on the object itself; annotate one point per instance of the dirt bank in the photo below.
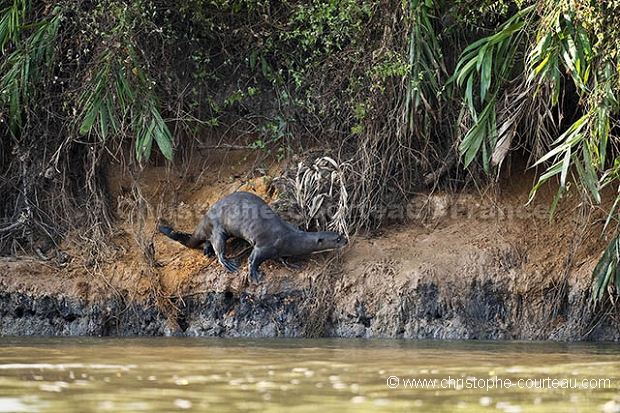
(476, 265)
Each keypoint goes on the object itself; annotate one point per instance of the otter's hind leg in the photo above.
(257, 257)
(218, 241)
(208, 249)
(201, 234)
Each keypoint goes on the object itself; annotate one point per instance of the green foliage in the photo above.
(321, 27)
(531, 57)
(481, 74)
(480, 16)
(573, 39)
(21, 70)
(564, 46)
(562, 41)
(563, 156)
(10, 22)
(606, 274)
(75, 86)
(121, 92)
(426, 64)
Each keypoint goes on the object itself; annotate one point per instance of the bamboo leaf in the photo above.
(603, 278)
(606, 269)
(469, 96)
(565, 166)
(471, 143)
(564, 142)
(611, 212)
(103, 122)
(485, 73)
(602, 281)
(465, 71)
(144, 142)
(163, 137)
(602, 132)
(550, 172)
(14, 108)
(554, 204)
(89, 121)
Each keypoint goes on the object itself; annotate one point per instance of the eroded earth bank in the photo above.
(477, 265)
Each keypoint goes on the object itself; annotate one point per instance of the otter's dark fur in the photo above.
(245, 215)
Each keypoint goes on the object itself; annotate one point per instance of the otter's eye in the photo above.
(319, 241)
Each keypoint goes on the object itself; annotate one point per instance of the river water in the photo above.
(296, 375)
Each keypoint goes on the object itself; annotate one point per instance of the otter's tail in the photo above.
(182, 237)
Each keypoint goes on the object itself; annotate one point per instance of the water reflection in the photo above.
(234, 375)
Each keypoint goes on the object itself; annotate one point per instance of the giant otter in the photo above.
(245, 215)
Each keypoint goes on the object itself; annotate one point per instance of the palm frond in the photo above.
(321, 194)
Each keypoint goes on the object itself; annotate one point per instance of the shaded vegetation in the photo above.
(404, 96)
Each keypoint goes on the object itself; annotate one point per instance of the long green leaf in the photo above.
(89, 120)
(568, 139)
(163, 137)
(606, 274)
(550, 172)
(565, 166)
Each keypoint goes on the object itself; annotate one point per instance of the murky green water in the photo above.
(226, 375)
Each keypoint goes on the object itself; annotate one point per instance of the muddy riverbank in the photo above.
(470, 267)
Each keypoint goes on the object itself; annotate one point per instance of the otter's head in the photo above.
(329, 240)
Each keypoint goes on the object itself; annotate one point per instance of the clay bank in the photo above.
(459, 269)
